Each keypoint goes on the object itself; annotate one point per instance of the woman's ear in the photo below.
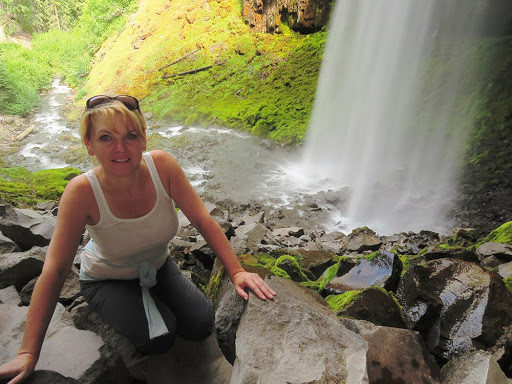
(87, 142)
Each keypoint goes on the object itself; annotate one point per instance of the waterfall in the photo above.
(377, 127)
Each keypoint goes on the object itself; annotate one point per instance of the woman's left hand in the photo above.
(254, 282)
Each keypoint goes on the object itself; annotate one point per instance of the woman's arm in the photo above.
(190, 203)
(66, 237)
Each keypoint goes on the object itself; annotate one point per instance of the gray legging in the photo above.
(184, 308)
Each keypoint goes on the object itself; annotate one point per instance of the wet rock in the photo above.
(457, 306)
(277, 339)
(376, 306)
(395, 355)
(19, 268)
(28, 228)
(382, 270)
(477, 367)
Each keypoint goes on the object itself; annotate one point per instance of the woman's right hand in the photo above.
(18, 368)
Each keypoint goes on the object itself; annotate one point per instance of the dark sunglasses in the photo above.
(129, 102)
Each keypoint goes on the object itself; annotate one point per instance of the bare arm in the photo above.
(59, 258)
(192, 206)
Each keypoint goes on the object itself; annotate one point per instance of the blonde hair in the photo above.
(109, 112)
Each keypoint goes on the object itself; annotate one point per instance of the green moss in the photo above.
(503, 234)
(339, 302)
(295, 264)
(20, 187)
(406, 263)
(372, 256)
(214, 284)
(279, 272)
(508, 283)
(329, 274)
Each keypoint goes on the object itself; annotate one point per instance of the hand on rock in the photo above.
(254, 282)
(18, 368)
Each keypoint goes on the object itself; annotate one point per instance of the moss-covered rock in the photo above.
(22, 188)
(502, 234)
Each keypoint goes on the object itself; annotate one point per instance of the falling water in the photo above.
(377, 128)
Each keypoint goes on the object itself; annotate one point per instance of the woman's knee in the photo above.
(160, 344)
(200, 327)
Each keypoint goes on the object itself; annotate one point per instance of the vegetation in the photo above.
(36, 16)
(503, 234)
(21, 188)
(338, 302)
(23, 74)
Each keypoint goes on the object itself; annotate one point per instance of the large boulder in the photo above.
(28, 228)
(456, 305)
(19, 268)
(395, 355)
(478, 367)
(185, 362)
(295, 338)
(66, 350)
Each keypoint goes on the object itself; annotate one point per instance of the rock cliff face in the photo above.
(305, 16)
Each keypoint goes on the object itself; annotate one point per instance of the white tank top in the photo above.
(119, 246)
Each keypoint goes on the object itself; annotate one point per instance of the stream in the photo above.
(222, 164)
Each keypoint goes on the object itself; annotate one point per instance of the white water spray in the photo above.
(373, 128)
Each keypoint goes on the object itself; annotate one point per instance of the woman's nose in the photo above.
(120, 146)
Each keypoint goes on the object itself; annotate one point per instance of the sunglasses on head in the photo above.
(129, 102)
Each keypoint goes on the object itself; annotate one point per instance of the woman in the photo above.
(127, 205)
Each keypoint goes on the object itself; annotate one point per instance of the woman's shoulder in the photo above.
(79, 187)
(163, 160)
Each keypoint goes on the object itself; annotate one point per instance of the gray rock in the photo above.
(254, 232)
(296, 338)
(502, 251)
(329, 246)
(7, 245)
(287, 232)
(66, 350)
(10, 295)
(227, 319)
(28, 228)
(19, 268)
(477, 367)
(70, 290)
(505, 270)
(364, 242)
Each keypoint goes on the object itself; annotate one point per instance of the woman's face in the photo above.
(118, 147)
